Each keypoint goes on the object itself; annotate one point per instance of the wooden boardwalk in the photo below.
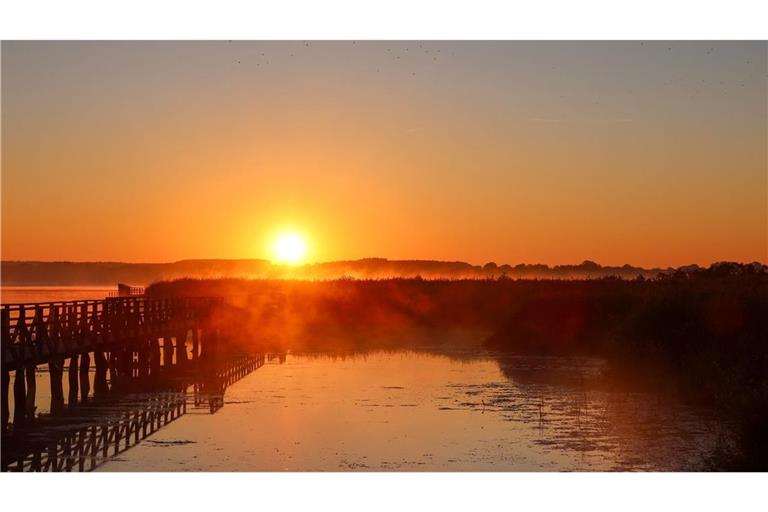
(146, 353)
(38, 333)
(133, 339)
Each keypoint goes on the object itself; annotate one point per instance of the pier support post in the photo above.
(100, 387)
(114, 370)
(19, 397)
(56, 374)
(29, 406)
(125, 365)
(144, 357)
(167, 353)
(181, 348)
(6, 411)
(155, 355)
(144, 360)
(73, 383)
(195, 343)
(85, 381)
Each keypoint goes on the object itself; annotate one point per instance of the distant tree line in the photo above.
(65, 273)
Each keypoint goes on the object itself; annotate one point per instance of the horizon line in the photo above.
(309, 264)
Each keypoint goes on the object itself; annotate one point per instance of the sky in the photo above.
(648, 153)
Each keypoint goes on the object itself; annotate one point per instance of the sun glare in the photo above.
(289, 248)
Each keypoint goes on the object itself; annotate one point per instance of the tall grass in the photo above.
(698, 333)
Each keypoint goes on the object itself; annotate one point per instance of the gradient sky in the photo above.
(647, 153)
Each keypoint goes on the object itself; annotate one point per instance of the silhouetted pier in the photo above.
(145, 351)
(89, 435)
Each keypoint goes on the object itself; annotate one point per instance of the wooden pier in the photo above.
(141, 348)
(90, 435)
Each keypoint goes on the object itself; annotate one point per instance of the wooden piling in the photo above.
(145, 359)
(100, 387)
(6, 411)
(19, 398)
(181, 348)
(167, 353)
(111, 368)
(195, 344)
(155, 356)
(125, 361)
(73, 382)
(56, 374)
(135, 359)
(85, 382)
(142, 363)
(29, 406)
(115, 370)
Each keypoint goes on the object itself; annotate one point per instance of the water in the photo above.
(17, 294)
(407, 411)
(432, 410)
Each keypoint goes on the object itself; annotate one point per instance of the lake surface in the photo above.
(431, 410)
(19, 294)
(407, 411)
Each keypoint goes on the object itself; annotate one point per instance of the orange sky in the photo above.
(646, 153)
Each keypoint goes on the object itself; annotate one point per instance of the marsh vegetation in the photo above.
(697, 334)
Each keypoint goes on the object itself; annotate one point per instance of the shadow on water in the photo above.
(100, 429)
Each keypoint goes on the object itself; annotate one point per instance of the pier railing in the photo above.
(33, 333)
(136, 344)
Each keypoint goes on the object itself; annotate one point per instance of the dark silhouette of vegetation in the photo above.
(697, 333)
(67, 273)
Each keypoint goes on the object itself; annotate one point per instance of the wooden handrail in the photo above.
(31, 332)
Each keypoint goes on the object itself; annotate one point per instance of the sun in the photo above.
(289, 248)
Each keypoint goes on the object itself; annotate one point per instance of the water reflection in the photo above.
(431, 410)
(99, 430)
(574, 414)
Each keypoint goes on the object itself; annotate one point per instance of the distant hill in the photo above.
(29, 273)
(66, 273)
